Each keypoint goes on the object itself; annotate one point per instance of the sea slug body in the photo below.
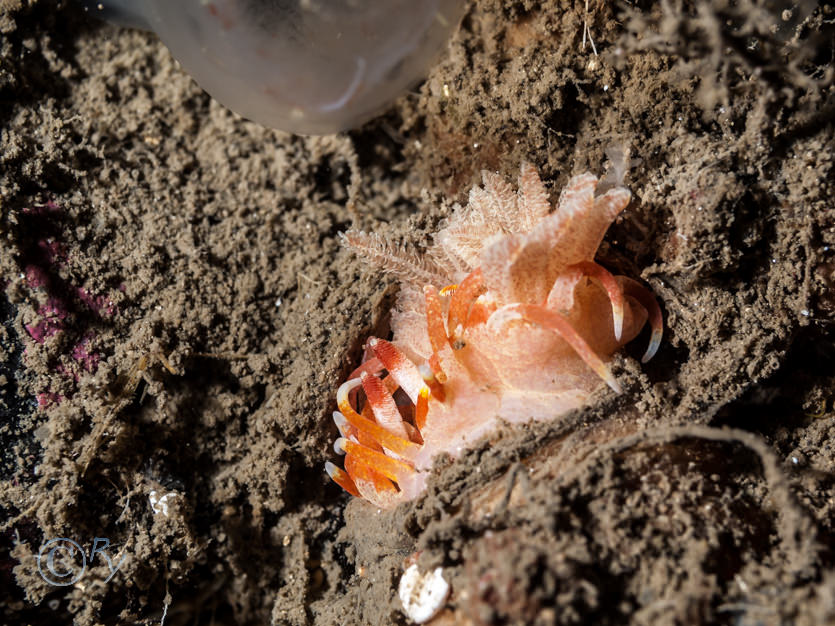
(522, 328)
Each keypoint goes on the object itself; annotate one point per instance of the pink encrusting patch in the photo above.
(43, 209)
(36, 277)
(100, 304)
(87, 358)
(53, 315)
(45, 260)
(48, 398)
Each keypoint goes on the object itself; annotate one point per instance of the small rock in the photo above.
(422, 595)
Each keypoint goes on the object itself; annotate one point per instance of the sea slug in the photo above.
(521, 329)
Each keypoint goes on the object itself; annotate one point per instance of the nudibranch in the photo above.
(301, 66)
(521, 328)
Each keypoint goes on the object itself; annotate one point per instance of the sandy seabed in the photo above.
(177, 313)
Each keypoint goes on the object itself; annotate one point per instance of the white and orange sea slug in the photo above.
(521, 329)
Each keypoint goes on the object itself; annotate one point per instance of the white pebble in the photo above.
(422, 595)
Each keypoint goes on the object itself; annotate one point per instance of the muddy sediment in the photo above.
(178, 312)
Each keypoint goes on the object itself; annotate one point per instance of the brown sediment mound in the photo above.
(139, 219)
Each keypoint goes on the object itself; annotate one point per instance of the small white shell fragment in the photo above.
(159, 504)
(422, 595)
